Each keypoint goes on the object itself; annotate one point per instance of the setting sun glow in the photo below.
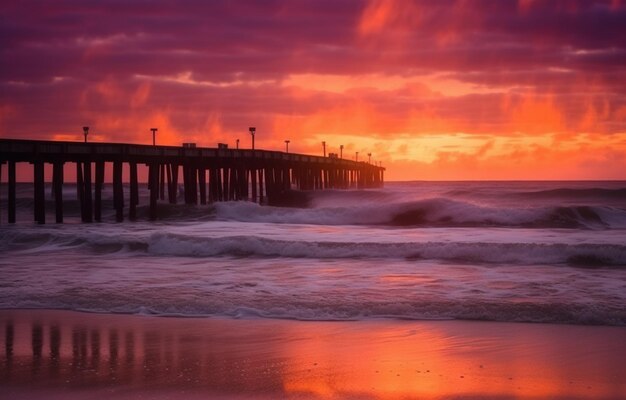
(434, 90)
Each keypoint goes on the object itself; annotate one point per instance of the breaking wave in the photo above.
(182, 245)
(439, 212)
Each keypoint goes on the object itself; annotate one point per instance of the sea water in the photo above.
(548, 252)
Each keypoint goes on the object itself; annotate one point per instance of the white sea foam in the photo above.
(467, 245)
(430, 212)
(305, 290)
(497, 251)
(518, 253)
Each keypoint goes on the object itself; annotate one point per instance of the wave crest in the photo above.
(439, 212)
(482, 252)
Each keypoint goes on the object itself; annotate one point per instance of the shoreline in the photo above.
(68, 354)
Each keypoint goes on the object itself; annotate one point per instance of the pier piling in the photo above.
(118, 191)
(57, 183)
(87, 192)
(153, 171)
(97, 205)
(11, 194)
(134, 192)
(40, 192)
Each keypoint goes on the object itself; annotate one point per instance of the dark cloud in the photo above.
(63, 61)
(221, 40)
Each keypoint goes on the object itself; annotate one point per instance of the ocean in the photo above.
(543, 252)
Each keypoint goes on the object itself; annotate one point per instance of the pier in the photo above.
(208, 175)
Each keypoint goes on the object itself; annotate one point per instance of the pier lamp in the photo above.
(154, 130)
(369, 158)
(85, 132)
(357, 156)
(237, 144)
(324, 147)
(287, 146)
(252, 130)
(341, 151)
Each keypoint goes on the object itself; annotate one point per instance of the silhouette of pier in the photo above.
(208, 175)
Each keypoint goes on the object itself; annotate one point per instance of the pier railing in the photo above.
(209, 174)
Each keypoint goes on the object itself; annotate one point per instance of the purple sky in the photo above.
(466, 89)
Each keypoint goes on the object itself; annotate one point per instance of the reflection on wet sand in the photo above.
(65, 351)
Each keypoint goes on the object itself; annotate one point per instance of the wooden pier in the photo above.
(208, 175)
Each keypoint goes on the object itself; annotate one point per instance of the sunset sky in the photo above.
(446, 89)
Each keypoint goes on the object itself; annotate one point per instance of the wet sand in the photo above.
(71, 355)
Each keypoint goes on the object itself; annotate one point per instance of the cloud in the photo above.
(384, 76)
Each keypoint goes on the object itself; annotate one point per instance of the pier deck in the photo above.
(209, 174)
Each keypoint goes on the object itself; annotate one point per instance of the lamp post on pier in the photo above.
(357, 156)
(237, 144)
(369, 158)
(324, 147)
(252, 130)
(341, 151)
(85, 132)
(287, 146)
(154, 130)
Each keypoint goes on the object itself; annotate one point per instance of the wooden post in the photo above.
(286, 179)
(162, 182)
(171, 193)
(260, 186)
(40, 193)
(154, 189)
(118, 191)
(87, 192)
(232, 184)
(209, 187)
(80, 189)
(202, 182)
(269, 184)
(213, 190)
(168, 174)
(175, 183)
(97, 207)
(226, 184)
(11, 199)
(278, 176)
(194, 185)
(236, 179)
(57, 179)
(134, 192)
(190, 184)
(254, 183)
(187, 183)
(220, 188)
(241, 183)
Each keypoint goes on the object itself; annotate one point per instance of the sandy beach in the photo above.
(63, 354)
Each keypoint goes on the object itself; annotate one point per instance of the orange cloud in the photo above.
(381, 15)
(440, 89)
(534, 114)
(559, 157)
(140, 96)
